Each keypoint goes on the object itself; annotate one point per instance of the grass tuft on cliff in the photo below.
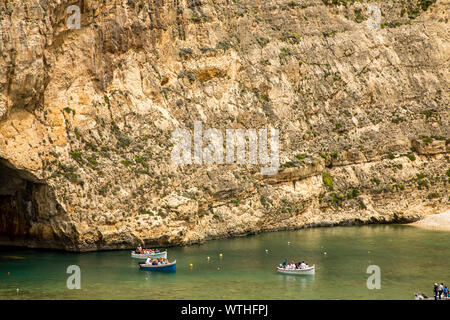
(327, 180)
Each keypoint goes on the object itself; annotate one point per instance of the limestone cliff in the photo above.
(86, 117)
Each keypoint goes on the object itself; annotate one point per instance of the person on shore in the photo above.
(435, 290)
(446, 292)
(440, 290)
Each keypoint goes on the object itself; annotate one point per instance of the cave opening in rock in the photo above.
(17, 210)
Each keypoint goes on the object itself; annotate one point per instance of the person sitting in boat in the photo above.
(303, 265)
(148, 261)
(284, 262)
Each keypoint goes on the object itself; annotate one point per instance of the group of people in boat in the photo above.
(139, 250)
(293, 265)
(157, 262)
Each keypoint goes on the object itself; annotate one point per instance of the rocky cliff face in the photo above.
(86, 117)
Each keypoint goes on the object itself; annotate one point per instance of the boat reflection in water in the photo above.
(303, 282)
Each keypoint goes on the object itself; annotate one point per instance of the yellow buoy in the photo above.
(220, 255)
(191, 265)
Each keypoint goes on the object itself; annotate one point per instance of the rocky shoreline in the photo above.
(439, 221)
(57, 245)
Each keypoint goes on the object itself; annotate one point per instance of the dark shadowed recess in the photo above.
(18, 207)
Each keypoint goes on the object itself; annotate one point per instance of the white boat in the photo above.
(143, 256)
(307, 270)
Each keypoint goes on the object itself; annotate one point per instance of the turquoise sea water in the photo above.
(410, 259)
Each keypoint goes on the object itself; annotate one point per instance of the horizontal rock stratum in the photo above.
(86, 117)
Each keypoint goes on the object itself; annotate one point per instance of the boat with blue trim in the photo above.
(172, 267)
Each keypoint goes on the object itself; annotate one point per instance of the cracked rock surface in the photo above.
(86, 117)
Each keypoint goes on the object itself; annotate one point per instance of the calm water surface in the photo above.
(411, 260)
